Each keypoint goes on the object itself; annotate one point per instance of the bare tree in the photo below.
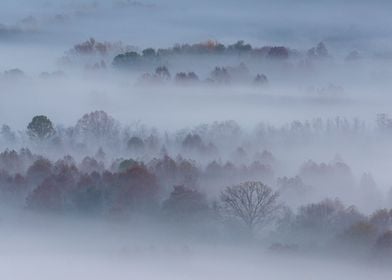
(98, 126)
(253, 203)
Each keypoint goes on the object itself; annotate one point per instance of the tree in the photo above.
(320, 51)
(136, 188)
(135, 144)
(254, 203)
(185, 204)
(260, 79)
(384, 244)
(40, 127)
(14, 74)
(47, 196)
(359, 234)
(327, 216)
(220, 75)
(128, 59)
(127, 164)
(240, 47)
(193, 142)
(162, 73)
(186, 78)
(39, 170)
(98, 126)
(278, 53)
(7, 133)
(88, 196)
(381, 219)
(90, 165)
(149, 52)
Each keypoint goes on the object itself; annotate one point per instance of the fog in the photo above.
(195, 139)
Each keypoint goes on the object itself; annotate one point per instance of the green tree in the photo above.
(40, 127)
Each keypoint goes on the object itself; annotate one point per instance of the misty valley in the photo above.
(195, 140)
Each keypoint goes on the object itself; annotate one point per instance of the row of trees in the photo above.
(92, 126)
(220, 76)
(32, 169)
(208, 48)
(129, 186)
(64, 188)
(216, 48)
(208, 142)
(89, 188)
(208, 155)
(99, 124)
(337, 228)
(214, 159)
(151, 57)
(95, 54)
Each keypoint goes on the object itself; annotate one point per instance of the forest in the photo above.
(213, 178)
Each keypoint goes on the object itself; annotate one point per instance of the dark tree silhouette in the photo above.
(260, 79)
(185, 203)
(278, 53)
(47, 196)
(220, 75)
(39, 170)
(384, 244)
(40, 127)
(162, 72)
(128, 59)
(240, 47)
(320, 51)
(186, 78)
(193, 141)
(135, 144)
(254, 203)
(150, 52)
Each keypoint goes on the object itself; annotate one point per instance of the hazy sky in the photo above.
(166, 22)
